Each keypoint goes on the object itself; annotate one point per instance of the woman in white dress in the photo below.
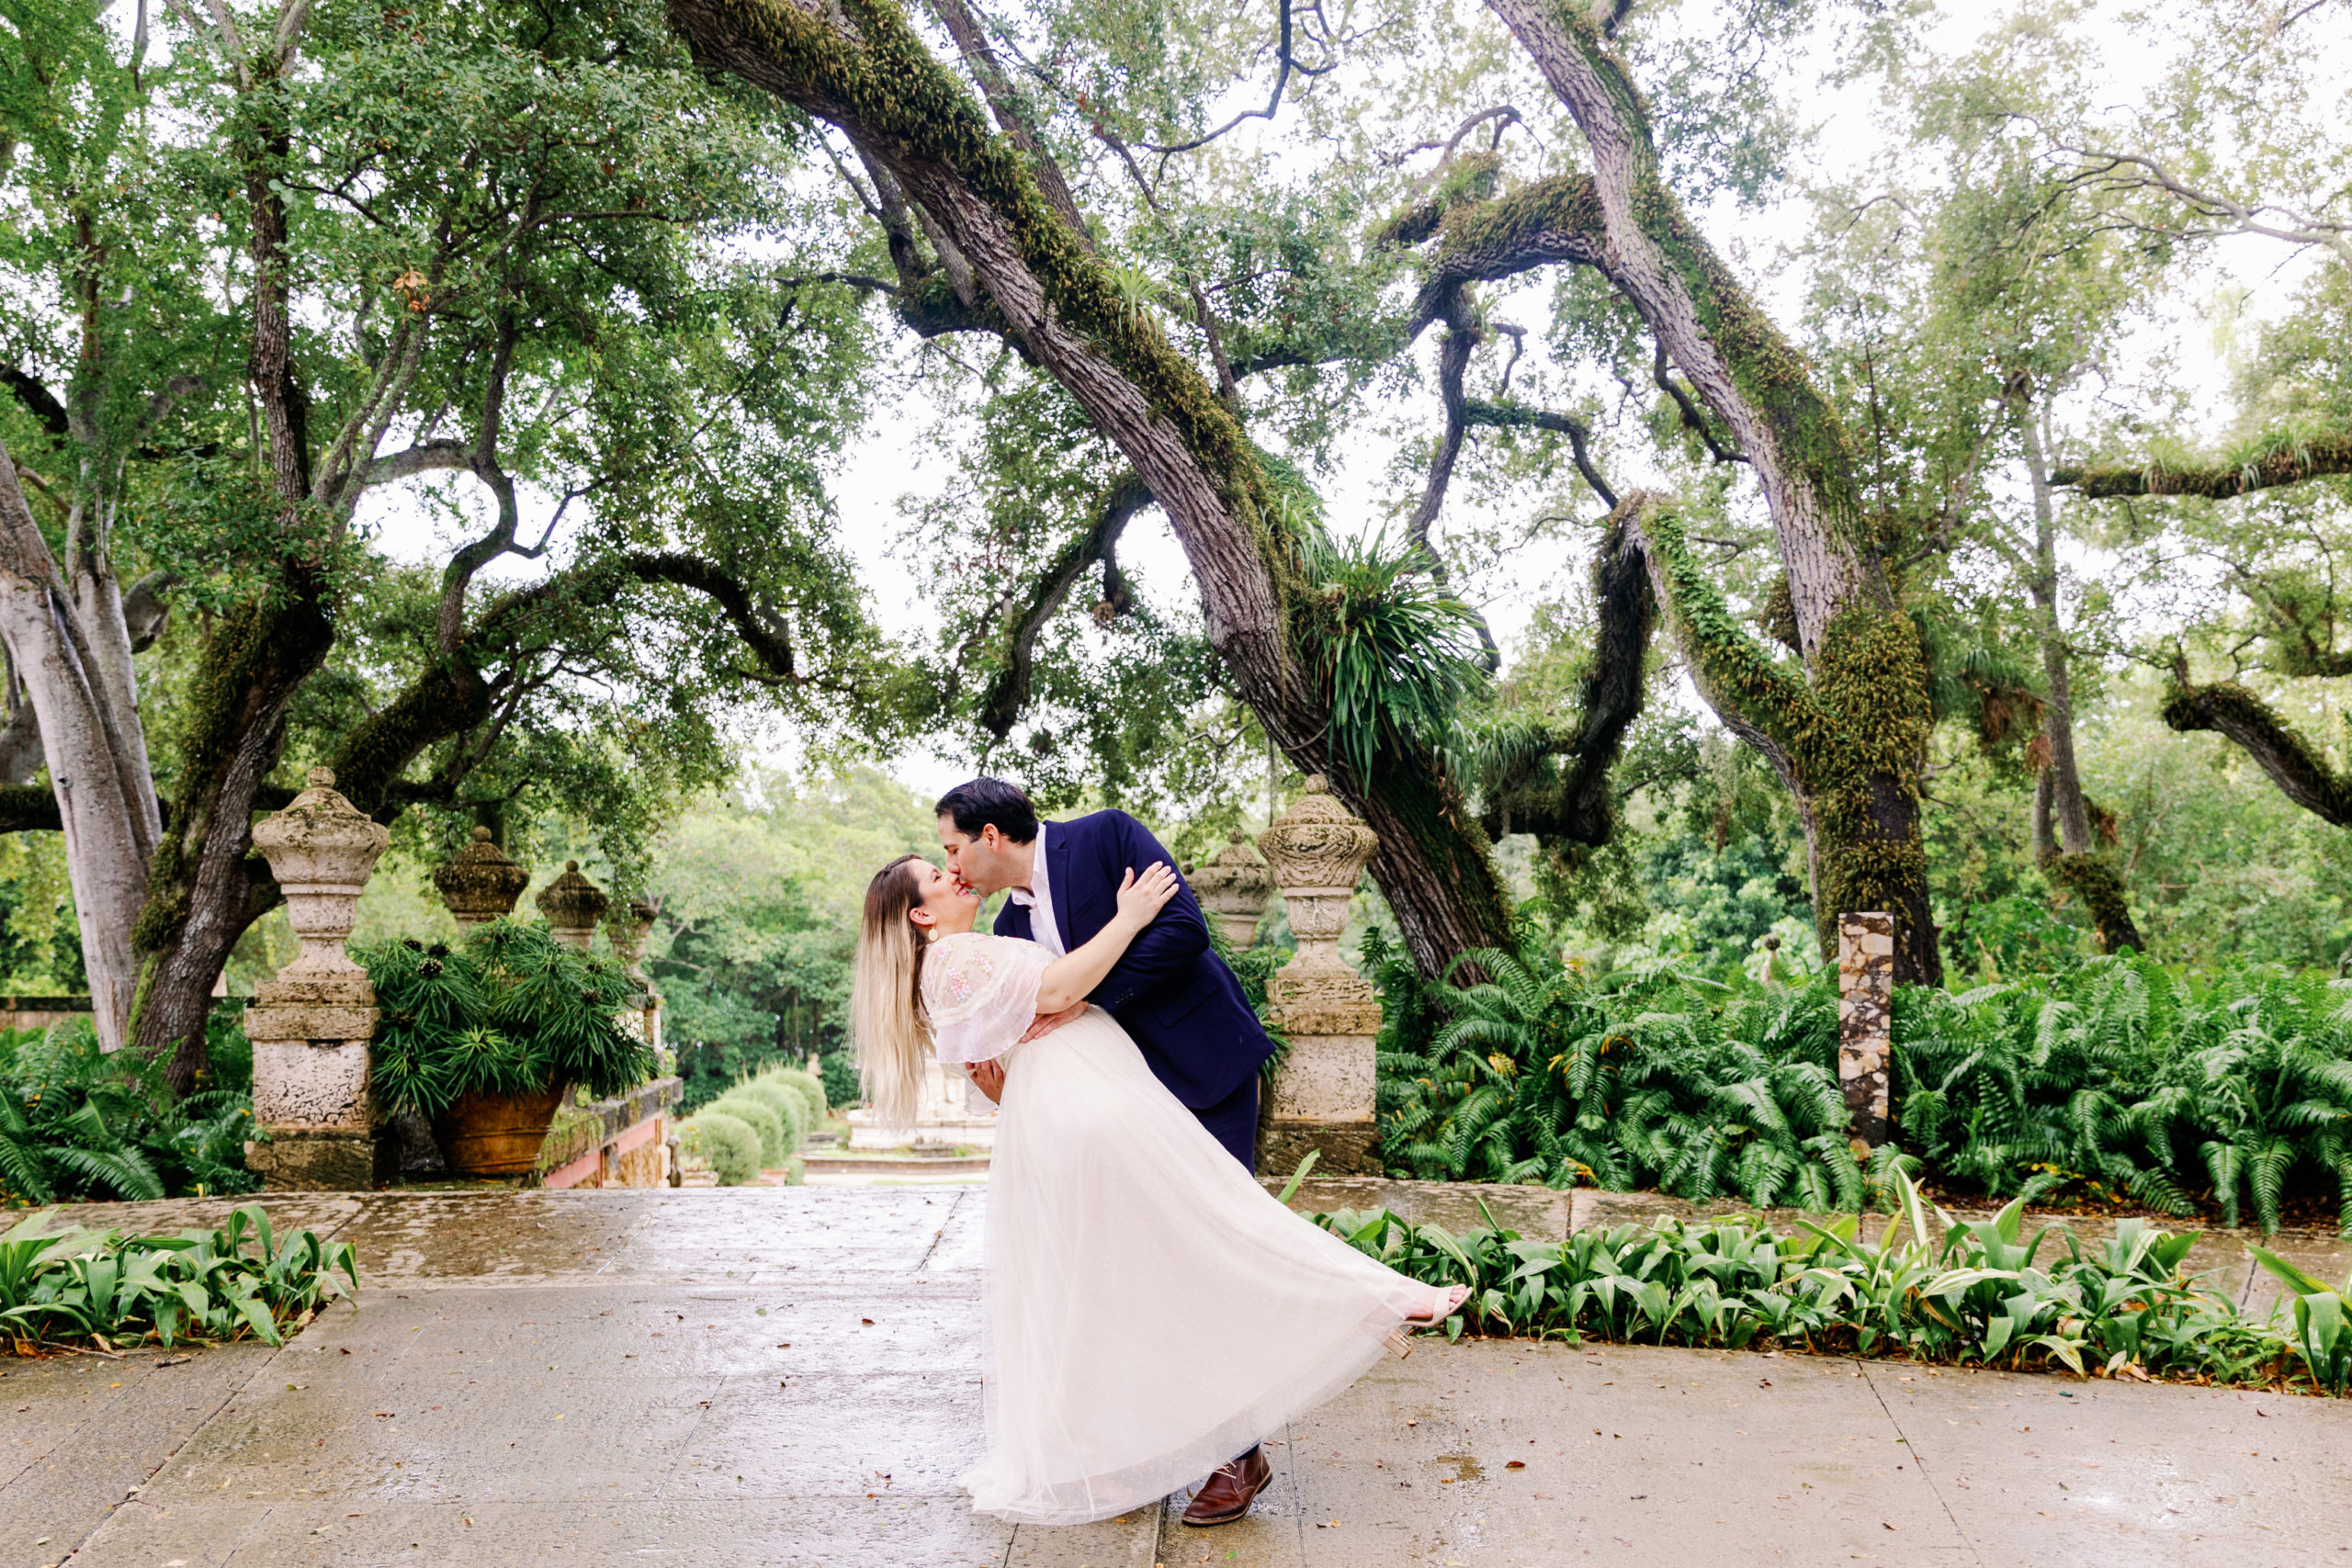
(1150, 1310)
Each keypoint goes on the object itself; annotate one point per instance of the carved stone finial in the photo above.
(1317, 852)
(627, 929)
(574, 904)
(1233, 885)
(479, 883)
(321, 848)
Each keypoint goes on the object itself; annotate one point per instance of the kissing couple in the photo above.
(1150, 1311)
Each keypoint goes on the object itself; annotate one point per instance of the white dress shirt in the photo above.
(1038, 899)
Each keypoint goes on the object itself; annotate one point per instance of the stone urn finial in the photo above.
(480, 883)
(1317, 853)
(1232, 886)
(574, 904)
(626, 931)
(321, 848)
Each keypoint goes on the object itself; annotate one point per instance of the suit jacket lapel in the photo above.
(1057, 876)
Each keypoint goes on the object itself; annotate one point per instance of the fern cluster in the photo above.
(76, 1122)
(1648, 1078)
(508, 1010)
(2230, 1090)
(2227, 1093)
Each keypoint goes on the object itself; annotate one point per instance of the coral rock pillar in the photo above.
(1233, 886)
(312, 1026)
(574, 904)
(1865, 1024)
(479, 884)
(1323, 1095)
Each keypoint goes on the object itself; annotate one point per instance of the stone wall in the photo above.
(620, 1142)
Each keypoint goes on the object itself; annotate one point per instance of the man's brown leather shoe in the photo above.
(1229, 1490)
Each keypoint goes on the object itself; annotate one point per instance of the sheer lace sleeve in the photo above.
(981, 993)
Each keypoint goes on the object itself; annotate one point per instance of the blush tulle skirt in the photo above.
(1151, 1312)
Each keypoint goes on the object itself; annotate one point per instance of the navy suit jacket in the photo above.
(1170, 990)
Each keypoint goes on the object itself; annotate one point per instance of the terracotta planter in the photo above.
(496, 1135)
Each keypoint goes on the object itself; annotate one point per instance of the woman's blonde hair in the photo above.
(885, 997)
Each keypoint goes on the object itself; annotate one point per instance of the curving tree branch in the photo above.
(1008, 692)
(2294, 764)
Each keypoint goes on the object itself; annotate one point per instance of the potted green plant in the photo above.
(484, 1038)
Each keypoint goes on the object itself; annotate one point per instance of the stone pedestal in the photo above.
(626, 931)
(1865, 1025)
(1323, 1096)
(574, 904)
(313, 1025)
(480, 883)
(1232, 886)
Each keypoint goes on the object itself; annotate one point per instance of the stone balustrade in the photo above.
(313, 1024)
(621, 1142)
(1323, 1095)
(1232, 886)
(479, 884)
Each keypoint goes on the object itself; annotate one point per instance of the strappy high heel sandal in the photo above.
(1402, 1342)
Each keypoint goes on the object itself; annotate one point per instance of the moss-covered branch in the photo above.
(2294, 764)
(1540, 223)
(1558, 788)
(1510, 415)
(2285, 463)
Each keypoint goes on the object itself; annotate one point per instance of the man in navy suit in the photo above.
(1171, 991)
(1172, 994)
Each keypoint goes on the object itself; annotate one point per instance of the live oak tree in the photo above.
(316, 251)
(981, 239)
(2236, 144)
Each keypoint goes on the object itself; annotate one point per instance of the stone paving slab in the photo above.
(790, 1376)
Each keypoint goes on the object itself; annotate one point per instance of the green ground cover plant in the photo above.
(2115, 1080)
(508, 1010)
(109, 1290)
(75, 1123)
(1959, 1292)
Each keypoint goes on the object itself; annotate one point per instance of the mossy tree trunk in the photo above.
(863, 69)
(2063, 842)
(1848, 735)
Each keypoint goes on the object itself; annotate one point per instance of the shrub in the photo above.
(508, 1010)
(777, 1137)
(781, 1100)
(808, 1086)
(837, 1071)
(726, 1142)
(2232, 1090)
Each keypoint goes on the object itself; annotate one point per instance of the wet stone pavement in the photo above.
(790, 1376)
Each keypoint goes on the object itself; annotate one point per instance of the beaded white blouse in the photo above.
(980, 993)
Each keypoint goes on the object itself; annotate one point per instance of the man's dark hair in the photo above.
(983, 801)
